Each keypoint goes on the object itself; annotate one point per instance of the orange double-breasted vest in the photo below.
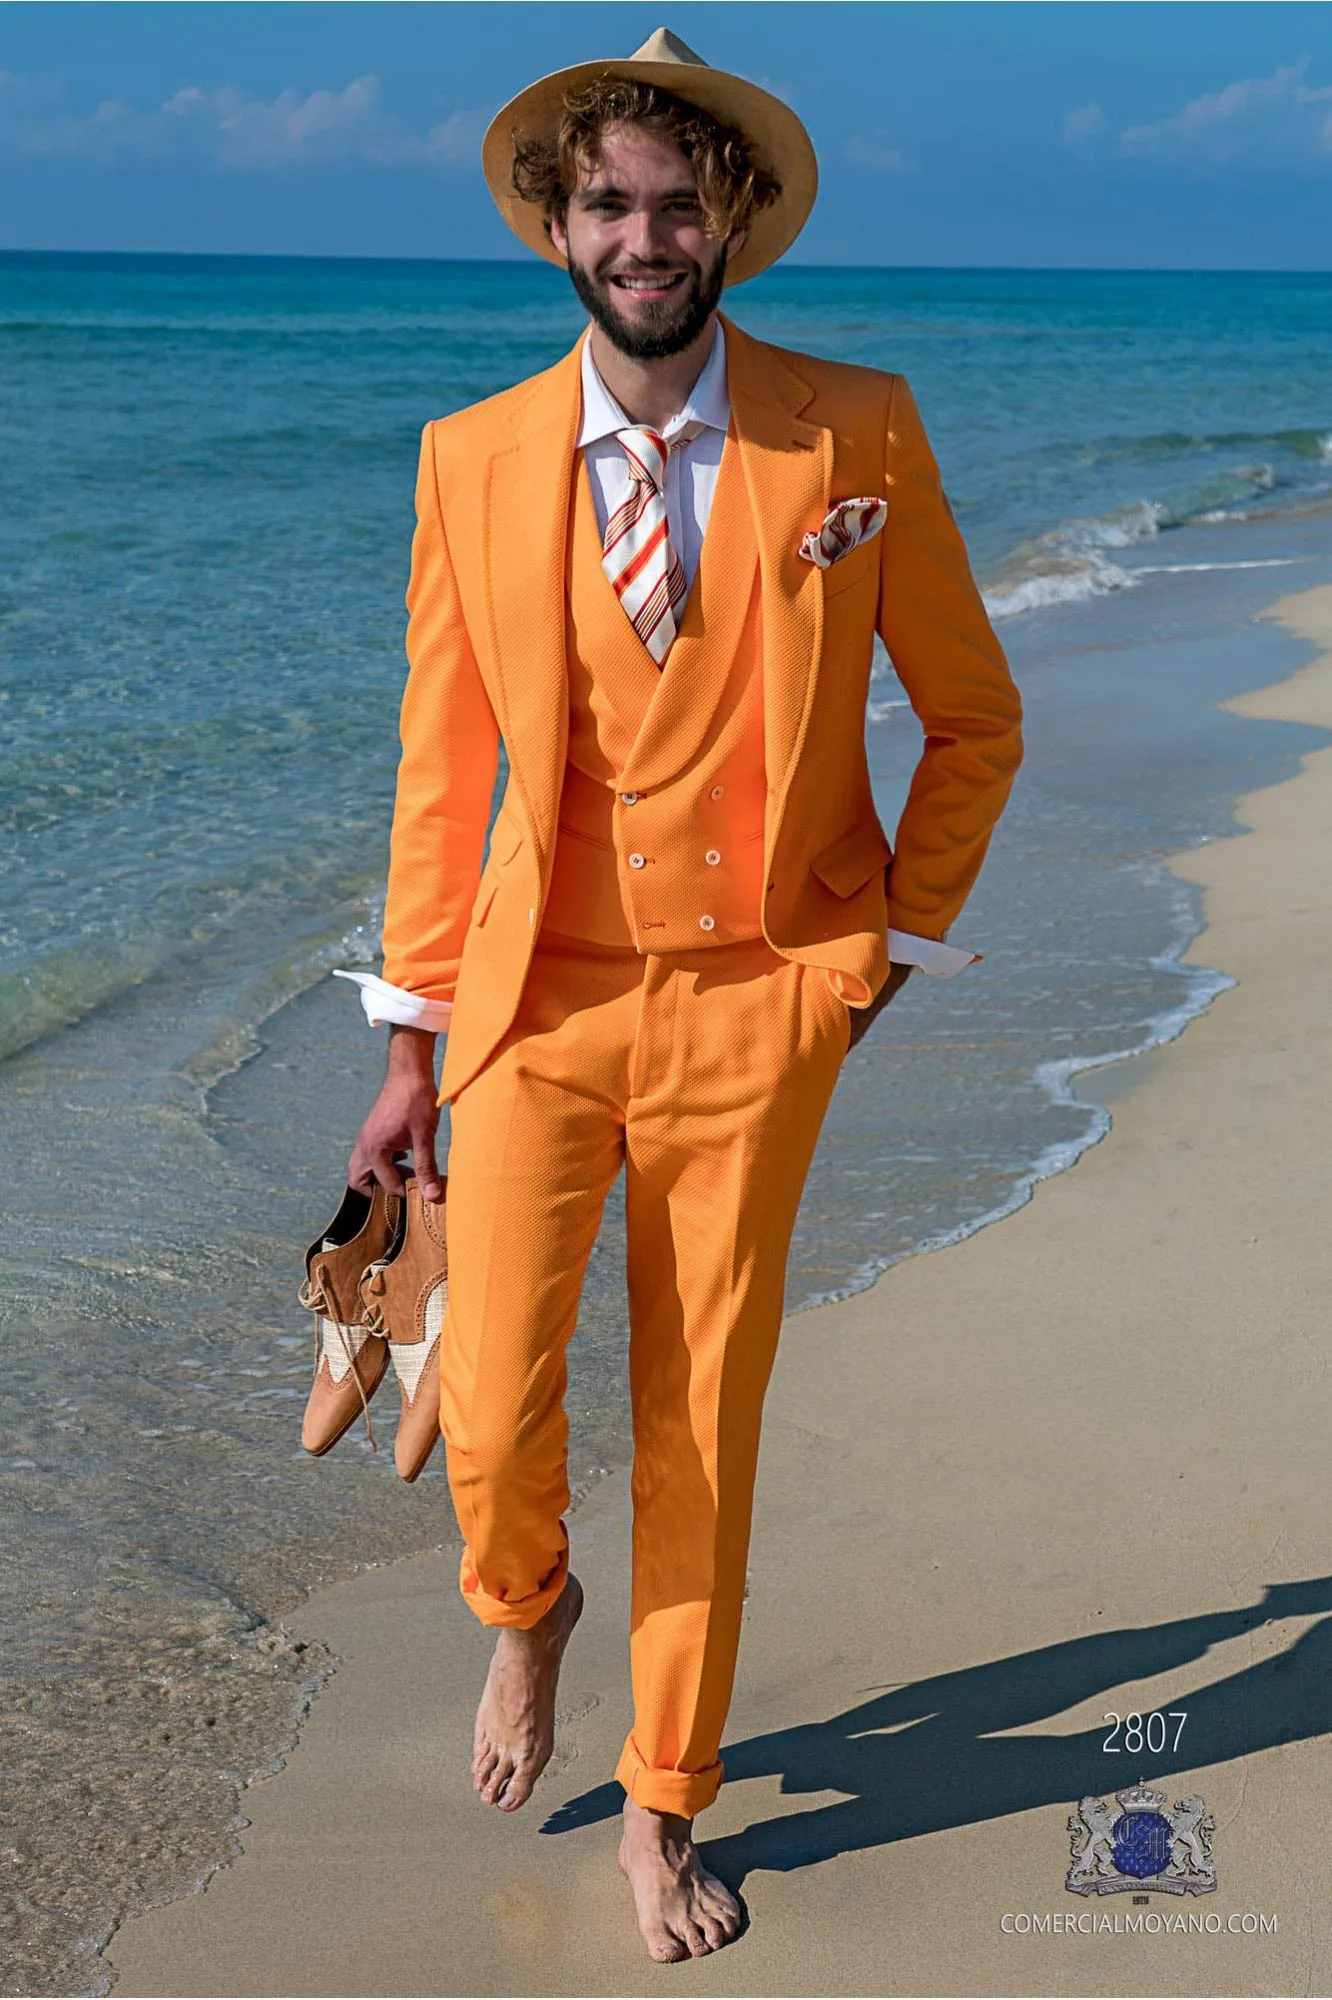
(499, 651)
(677, 865)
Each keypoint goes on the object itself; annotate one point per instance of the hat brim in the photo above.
(781, 140)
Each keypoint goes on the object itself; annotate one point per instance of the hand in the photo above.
(862, 1018)
(405, 1114)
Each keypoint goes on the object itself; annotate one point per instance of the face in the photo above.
(639, 257)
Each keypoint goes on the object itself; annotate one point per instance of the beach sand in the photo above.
(1038, 1476)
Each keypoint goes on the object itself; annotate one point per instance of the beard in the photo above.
(668, 326)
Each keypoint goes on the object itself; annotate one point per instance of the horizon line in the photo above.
(792, 265)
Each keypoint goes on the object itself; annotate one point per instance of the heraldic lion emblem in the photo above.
(1135, 1843)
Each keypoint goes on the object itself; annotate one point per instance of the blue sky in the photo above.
(1148, 135)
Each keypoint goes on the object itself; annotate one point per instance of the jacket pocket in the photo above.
(505, 840)
(588, 839)
(853, 859)
(852, 568)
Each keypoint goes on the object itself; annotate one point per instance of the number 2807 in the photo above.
(1144, 1732)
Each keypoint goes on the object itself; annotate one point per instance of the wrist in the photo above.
(411, 1048)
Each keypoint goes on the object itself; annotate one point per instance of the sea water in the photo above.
(207, 470)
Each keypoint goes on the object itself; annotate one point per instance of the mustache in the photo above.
(662, 269)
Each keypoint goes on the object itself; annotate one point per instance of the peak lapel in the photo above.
(788, 466)
(526, 511)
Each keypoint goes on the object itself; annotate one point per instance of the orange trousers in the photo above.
(707, 1075)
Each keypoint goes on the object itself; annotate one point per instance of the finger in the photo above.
(384, 1171)
(423, 1159)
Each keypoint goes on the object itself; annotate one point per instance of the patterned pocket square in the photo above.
(850, 523)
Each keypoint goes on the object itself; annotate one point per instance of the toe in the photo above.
(713, 1929)
(518, 1790)
(483, 1764)
(661, 1945)
(499, 1778)
(719, 1905)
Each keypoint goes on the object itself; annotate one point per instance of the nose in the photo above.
(645, 236)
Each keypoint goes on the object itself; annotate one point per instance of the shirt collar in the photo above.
(709, 401)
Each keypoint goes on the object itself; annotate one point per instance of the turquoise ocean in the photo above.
(206, 477)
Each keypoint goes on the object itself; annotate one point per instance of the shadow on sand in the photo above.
(925, 1755)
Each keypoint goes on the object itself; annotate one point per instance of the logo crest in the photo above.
(1135, 1843)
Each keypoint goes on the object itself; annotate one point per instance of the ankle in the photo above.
(656, 1829)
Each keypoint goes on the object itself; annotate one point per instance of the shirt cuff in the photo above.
(383, 1003)
(929, 955)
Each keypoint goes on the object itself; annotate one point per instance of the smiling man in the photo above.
(655, 572)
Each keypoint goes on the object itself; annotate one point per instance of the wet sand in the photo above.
(1073, 1465)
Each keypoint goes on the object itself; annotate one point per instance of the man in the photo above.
(638, 571)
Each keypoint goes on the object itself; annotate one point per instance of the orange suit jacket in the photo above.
(486, 652)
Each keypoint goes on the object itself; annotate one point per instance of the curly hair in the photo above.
(733, 183)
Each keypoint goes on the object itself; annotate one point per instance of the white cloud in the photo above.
(1265, 118)
(877, 154)
(228, 129)
(1088, 121)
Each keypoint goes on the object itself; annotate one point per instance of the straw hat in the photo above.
(777, 134)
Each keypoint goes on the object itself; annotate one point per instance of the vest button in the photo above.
(707, 923)
(629, 798)
(712, 857)
(716, 791)
(638, 861)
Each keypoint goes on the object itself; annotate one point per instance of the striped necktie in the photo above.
(636, 553)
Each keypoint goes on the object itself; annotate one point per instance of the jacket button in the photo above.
(629, 798)
(707, 923)
(638, 861)
(716, 791)
(712, 857)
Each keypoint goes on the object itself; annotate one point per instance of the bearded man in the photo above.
(655, 572)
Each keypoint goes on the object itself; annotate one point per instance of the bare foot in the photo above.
(515, 1722)
(683, 1912)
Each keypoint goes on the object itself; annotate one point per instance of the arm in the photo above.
(948, 659)
(446, 776)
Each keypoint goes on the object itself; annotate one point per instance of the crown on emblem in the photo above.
(1141, 1798)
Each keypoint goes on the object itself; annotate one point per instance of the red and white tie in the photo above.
(636, 552)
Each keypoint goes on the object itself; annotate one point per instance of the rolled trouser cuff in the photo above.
(683, 1792)
(520, 1612)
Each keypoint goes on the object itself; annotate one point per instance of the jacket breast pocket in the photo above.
(857, 567)
(853, 859)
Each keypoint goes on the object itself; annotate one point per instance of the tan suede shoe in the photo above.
(350, 1358)
(403, 1296)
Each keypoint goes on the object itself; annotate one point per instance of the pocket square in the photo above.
(850, 523)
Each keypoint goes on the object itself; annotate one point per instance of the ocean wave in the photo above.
(62, 987)
(1075, 560)
(66, 986)
(1072, 562)
(1303, 441)
(1071, 586)
(1058, 1078)
(237, 1040)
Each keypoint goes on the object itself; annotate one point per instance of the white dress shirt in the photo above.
(691, 468)
(691, 481)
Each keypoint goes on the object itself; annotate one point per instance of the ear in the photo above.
(735, 243)
(559, 234)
